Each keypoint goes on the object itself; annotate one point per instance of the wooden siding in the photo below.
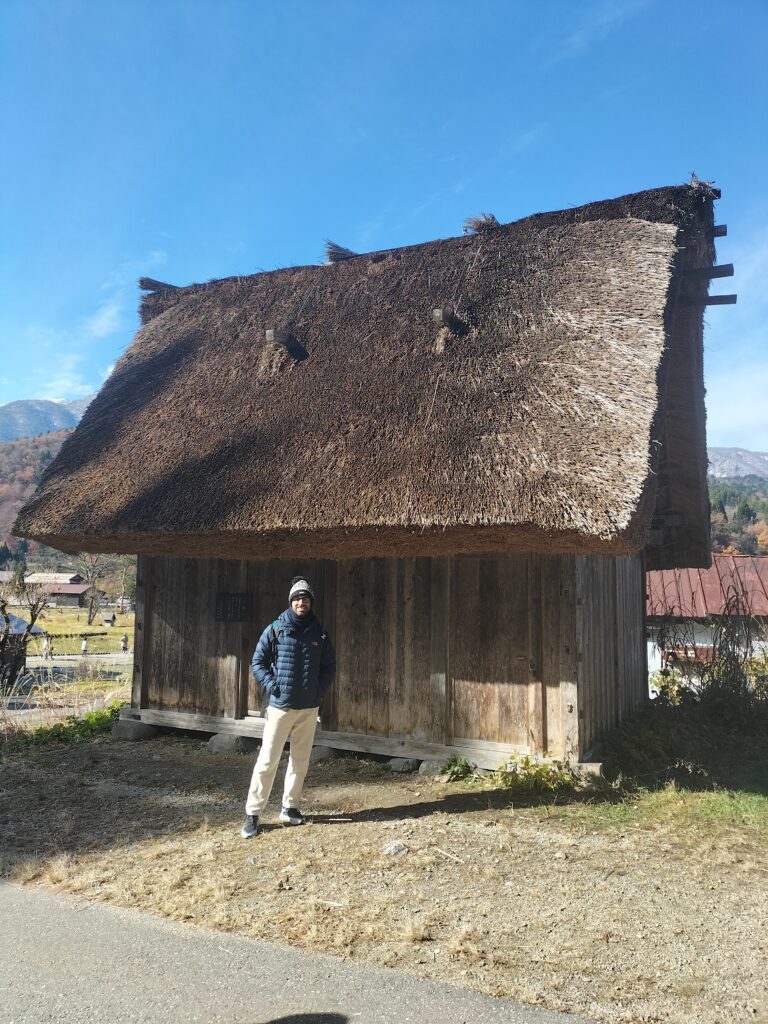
(611, 650)
(521, 653)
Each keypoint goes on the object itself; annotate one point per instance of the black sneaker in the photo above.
(251, 826)
(291, 816)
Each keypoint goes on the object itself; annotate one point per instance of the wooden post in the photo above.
(141, 638)
(570, 625)
(536, 727)
(328, 614)
(439, 668)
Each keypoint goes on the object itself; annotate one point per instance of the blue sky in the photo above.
(198, 139)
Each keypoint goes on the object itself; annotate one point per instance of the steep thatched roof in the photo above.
(545, 415)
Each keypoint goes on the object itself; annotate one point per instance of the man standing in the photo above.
(294, 664)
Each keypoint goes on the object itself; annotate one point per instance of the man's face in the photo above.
(301, 604)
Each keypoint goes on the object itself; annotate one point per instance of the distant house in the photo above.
(72, 595)
(685, 608)
(53, 578)
(473, 447)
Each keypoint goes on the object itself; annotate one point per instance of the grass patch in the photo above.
(67, 627)
(71, 730)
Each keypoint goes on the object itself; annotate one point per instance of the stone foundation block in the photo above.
(126, 729)
(226, 743)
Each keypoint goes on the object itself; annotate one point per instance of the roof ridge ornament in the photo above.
(149, 284)
(337, 253)
(480, 225)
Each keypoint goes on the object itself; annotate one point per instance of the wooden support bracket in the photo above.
(720, 231)
(712, 300)
(707, 273)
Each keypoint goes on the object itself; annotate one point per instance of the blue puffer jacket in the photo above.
(303, 668)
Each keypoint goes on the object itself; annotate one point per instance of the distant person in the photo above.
(46, 648)
(124, 643)
(294, 664)
(84, 648)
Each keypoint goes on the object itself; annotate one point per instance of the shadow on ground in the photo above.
(103, 794)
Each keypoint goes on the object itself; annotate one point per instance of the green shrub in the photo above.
(71, 730)
(531, 778)
(456, 768)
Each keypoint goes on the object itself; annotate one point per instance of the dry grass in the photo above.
(45, 697)
(632, 920)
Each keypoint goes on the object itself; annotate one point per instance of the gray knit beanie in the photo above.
(300, 586)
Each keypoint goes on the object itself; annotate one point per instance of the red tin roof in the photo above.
(699, 593)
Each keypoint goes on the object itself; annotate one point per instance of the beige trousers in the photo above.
(279, 726)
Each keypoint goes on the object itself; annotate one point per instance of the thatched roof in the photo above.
(543, 417)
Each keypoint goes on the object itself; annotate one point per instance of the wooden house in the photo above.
(470, 446)
(687, 609)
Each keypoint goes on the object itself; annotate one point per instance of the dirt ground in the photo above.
(631, 922)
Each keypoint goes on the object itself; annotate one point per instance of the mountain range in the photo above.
(36, 416)
(735, 462)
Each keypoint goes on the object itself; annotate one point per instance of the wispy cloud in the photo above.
(65, 363)
(61, 377)
(594, 24)
(119, 286)
(107, 320)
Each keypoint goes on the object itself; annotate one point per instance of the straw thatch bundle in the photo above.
(480, 225)
(337, 253)
(539, 429)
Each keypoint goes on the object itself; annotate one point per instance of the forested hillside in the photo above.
(22, 463)
(739, 514)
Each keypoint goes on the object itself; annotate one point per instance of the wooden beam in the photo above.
(720, 231)
(482, 753)
(707, 273)
(712, 300)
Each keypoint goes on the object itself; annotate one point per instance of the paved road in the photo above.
(74, 962)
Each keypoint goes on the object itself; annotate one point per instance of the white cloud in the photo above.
(61, 376)
(596, 22)
(106, 321)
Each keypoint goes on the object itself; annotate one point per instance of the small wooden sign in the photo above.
(234, 607)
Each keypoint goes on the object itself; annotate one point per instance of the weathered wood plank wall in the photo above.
(525, 652)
